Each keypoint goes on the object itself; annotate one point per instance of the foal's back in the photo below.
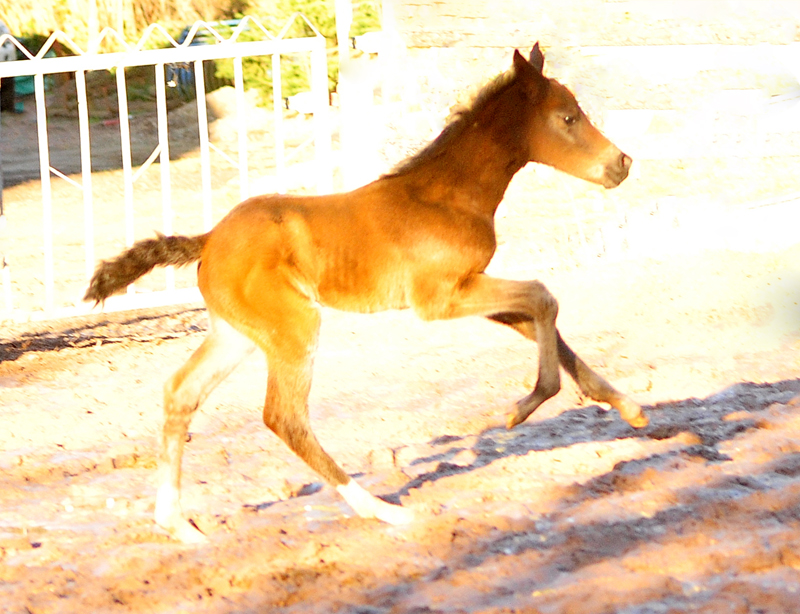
(359, 251)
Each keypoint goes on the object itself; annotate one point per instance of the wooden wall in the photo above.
(670, 78)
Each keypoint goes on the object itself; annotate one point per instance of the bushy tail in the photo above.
(113, 276)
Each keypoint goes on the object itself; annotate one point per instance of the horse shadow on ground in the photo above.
(706, 544)
(703, 418)
(760, 507)
(103, 329)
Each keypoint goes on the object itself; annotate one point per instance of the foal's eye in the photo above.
(570, 120)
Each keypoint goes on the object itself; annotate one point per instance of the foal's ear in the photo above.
(537, 57)
(521, 65)
(535, 65)
(529, 74)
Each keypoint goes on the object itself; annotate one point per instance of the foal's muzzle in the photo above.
(617, 171)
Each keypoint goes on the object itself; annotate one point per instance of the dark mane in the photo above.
(458, 121)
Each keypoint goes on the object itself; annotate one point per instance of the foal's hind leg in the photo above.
(221, 351)
(286, 414)
(288, 336)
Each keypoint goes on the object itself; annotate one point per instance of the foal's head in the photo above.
(559, 133)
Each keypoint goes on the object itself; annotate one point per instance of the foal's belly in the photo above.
(366, 293)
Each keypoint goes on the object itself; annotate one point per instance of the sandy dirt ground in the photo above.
(672, 286)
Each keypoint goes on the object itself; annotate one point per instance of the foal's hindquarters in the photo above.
(273, 313)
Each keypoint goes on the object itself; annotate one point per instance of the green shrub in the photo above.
(35, 19)
(295, 68)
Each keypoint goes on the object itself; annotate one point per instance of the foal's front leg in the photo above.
(528, 303)
(530, 309)
(595, 387)
(590, 383)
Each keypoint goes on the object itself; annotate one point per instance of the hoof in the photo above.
(639, 422)
(184, 531)
(169, 517)
(514, 419)
(369, 506)
(395, 514)
(632, 413)
(522, 409)
(188, 534)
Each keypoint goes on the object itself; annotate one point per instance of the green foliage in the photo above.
(37, 18)
(295, 68)
(366, 18)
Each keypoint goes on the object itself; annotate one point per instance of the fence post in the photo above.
(277, 107)
(322, 127)
(163, 142)
(5, 274)
(47, 196)
(86, 170)
(205, 159)
(241, 119)
(52, 305)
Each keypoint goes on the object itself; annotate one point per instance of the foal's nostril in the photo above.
(616, 174)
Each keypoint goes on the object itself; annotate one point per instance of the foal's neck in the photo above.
(474, 170)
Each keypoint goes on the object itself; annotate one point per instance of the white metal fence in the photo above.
(47, 305)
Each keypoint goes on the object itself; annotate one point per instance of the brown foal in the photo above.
(419, 237)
